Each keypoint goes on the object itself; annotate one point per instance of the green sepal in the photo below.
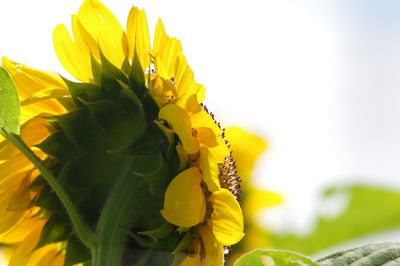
(59, 146)
(260, 257)
(136, 76)
(126, 66)
(9, 103)
(155, 171)
(37, 183)
(96, 69)
(85, 91)
(180, 251)
(161, 232)
(157, 139)
(110, 79)
(119, 126)
(166, 140)
(48, 199)
(141, 240)
(55, 230)
(110, 71)
(76, 252)
(81, 130)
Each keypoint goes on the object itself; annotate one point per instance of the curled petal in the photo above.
(180, 123)
(227, 218)
(209, 169)
(184, 203)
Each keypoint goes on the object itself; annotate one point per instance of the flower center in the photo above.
(228, 175)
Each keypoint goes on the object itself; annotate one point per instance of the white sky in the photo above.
(318, 79)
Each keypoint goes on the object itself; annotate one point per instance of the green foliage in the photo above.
(387, 254)
(272, 257)
(369, 210)
(9, 103)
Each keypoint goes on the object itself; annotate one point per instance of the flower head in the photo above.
(132, 146)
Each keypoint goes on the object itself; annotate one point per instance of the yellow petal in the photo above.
(167, 48)
(227, 218)
(21, 255)
(214, 252)
(184, 203)
(257, 200)
(180, 122)
(207, 136)
(8, 218)
(185, 83)
(14, 165)
(21, 199)
(102, 25)
(138, 36)
(209, 169)
(84, 40)
(246, 149)
(75, 58)
(29, 80)
(220, 152)
(21, 230)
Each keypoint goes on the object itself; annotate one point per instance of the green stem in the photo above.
(84, 232)
(116, 218)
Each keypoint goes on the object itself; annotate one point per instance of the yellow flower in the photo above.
(201, 201)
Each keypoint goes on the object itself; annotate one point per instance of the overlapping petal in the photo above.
(184, 203)
(102, 26)
(137, 32)
(227, 218)
(179, 120)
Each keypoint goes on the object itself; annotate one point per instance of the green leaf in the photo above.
(9, 103)
(76, 252)
(271, 257)
(56, 229)
(387, 254)
(363, 215)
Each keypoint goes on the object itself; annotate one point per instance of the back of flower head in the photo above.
(126, 166)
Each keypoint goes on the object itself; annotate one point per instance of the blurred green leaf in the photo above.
(369, 210)
(271, 257)
(387, 254)
(9, 103)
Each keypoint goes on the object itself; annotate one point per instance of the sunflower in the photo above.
(134, 163)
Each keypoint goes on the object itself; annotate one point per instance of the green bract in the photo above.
(115, 161)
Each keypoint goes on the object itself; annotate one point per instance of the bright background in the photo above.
(318, 79)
